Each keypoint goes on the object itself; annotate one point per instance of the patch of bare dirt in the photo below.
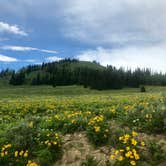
(75, 149)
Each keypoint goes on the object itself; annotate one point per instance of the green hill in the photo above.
(89, 74)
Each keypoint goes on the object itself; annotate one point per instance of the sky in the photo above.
(122, 33)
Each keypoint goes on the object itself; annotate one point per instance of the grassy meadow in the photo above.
(71, 125)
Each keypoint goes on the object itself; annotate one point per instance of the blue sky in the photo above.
(128, 33)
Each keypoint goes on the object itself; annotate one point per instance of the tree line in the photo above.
(92, 75)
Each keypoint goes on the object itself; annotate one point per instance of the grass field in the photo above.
(46, 126)
(38, 91)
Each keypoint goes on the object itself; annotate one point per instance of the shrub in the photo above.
(98, 130)
(142, 89)
(156, 154)
(127, 151)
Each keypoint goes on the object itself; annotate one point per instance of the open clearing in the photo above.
(74, 126)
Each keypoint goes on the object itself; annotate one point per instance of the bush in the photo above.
(156, 154)
(128, 150)
(142, 89)
(98, 130)
(25, 142)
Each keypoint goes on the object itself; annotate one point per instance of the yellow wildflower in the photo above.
(112, 157)
(142, 143)
(16, 154)
(132, 162)
(134, 133)
(133, 142)
(121, 158)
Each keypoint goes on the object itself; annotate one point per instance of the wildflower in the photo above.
(121, 158)
(112, 157)
(49, 144)
(127, 148)
(16, 154)
(2, 154)
(97, 129)
(132, 162)
(21, 153)
(113, 110)
(128, 154)
(121, 150)
(26, 154)
(133, 142)
(55, 143)
(31, 163)
(120, 138)
(134, 133)
(116, 152)
(136, 156)
(142, 143)
(56, 135)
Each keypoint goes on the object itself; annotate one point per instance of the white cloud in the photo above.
(13, 29)
(4, 58)
(153, 57)
(53, 58)
(30, 60)
(115, 21)
(22, 48)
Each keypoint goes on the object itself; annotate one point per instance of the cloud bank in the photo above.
(115, 22)
(128, 57)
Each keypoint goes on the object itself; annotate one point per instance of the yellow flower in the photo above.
(121, 150)
(55, 143)
(134, 133)
(21, 153)
(31, 163)
(120, 138)
(142, 143)
(128, 154)
(134, 151)
(116, 152)
(112, 157)
(127, 148)
(132, 162)
(113, 110)
(127, 136)
(2, 154)
(136, 156)
(97, 129)
(49, 144)
(46, 142)
(121, 158)
(56, 135)
(133, 142)
(8, 146)
(26, 154)
(16, 154)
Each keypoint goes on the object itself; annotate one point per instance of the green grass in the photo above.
(19, 91)
(41, 91)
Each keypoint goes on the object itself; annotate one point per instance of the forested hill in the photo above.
(88, 74)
